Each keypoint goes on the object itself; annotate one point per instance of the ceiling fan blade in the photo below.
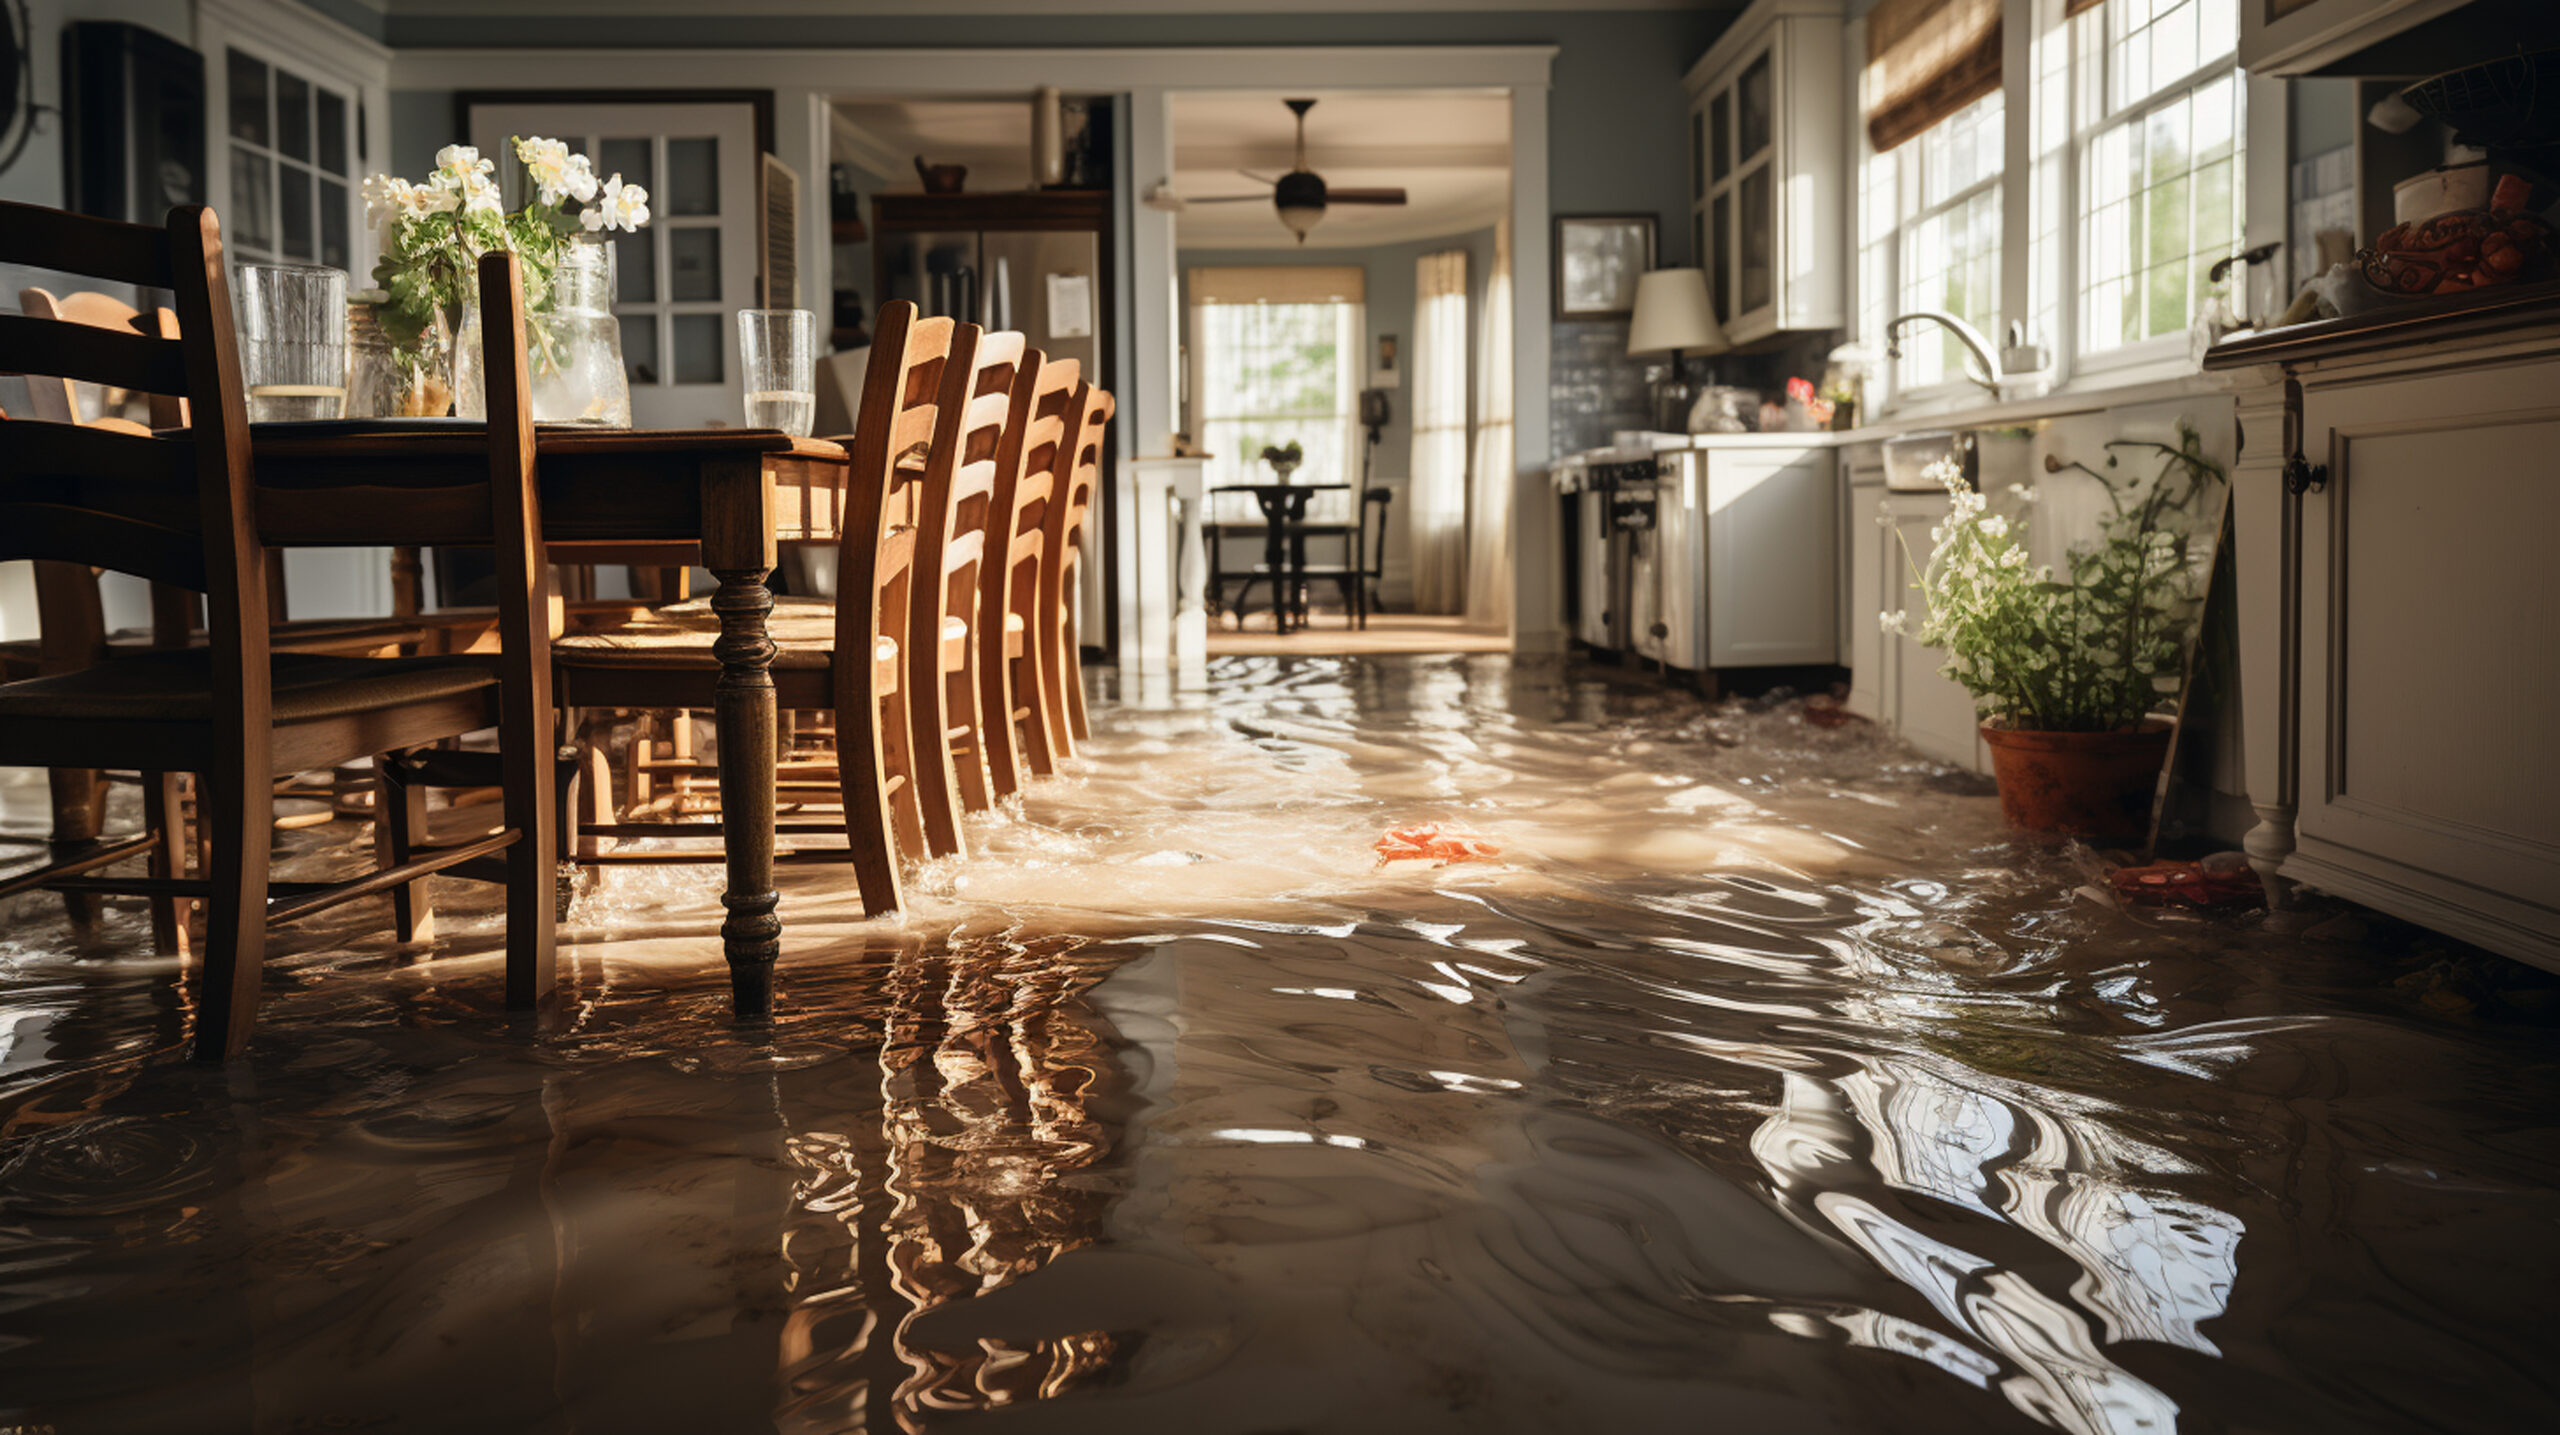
(1227, 199)
(1364, 196)
(1259, 178)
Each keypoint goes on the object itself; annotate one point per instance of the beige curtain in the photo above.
(1490, 492)
(1436, 500)
(1927, 59)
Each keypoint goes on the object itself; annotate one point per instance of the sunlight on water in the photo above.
(1760, 1082)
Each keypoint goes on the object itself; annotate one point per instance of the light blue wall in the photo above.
(1389, 290)
(1616, 116)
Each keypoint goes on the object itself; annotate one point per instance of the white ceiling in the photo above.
(1448, 150)
(986, 7)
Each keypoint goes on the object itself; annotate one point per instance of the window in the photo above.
(2129, 115)
(291, 141)
(1275, 352)
(2157, 111)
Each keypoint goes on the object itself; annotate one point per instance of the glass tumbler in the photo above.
(293, 341)
(780, 351)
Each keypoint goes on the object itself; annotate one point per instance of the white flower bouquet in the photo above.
(433, 234)
(2095, 648)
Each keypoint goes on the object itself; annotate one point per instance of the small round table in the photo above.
(1284, 542)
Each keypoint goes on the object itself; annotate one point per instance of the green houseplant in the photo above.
(2069, 668)
(433, 234)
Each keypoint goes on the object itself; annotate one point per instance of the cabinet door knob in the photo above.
(2302, 476)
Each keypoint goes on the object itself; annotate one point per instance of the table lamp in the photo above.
(1674, 316)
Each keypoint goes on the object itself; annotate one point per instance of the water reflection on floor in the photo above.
(1765, 1085)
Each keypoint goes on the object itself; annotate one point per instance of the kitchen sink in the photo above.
(1907, 456)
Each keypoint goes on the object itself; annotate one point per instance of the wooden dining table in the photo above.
(738, 493)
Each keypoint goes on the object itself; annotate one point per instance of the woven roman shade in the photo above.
(1927, 59)
(2074, 7)
(1280, 284)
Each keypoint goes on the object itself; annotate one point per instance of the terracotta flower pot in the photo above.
(2079, 784)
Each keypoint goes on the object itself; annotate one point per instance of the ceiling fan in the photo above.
(1300, 195)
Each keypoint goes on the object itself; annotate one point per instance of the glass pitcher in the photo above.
(573, 348)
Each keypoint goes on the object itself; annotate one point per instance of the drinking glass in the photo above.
(293, 341)
(780, 349)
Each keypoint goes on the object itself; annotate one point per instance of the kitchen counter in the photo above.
(2480, 314)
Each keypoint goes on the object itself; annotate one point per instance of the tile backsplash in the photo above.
(1593, 388)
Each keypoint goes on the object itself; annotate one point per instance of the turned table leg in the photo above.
(743, 708)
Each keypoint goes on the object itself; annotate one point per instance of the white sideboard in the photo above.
(2401, 613)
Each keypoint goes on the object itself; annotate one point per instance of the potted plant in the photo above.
(432, 237)
(2070, 670)
(1284, 459)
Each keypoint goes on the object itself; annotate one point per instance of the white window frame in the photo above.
(321, 51)
(1351, 321)
(2084, 122)
(1906, 160)
(2042, 261)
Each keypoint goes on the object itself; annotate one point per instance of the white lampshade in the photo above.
(1674, 312)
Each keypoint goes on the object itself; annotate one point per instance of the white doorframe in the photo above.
(805, 81)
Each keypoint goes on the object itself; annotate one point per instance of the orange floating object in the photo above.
(2164, 884)
(1430, 843)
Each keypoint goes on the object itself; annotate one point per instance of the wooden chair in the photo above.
(1061, 651)
(181, 509)
(1013, 720)
(850, 656)
(1364, 551)
(976, 411)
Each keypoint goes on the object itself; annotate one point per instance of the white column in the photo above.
(1537, 560)
(1191, 608)
(2263, 524)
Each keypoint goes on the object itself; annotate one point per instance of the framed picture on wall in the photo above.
(1598, 258)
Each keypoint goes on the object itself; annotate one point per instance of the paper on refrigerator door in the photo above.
(1070, 306)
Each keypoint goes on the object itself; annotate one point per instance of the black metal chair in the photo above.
(1363, 572)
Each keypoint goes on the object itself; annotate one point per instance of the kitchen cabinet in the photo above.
(2399, 676)
(1894, 681)
(1765, 174)
(2302, 37)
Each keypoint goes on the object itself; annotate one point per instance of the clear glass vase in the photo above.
(380, 385)
(573, 349)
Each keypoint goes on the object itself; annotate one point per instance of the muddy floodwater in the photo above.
(1762, 1083)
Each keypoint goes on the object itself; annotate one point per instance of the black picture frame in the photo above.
(1597, 259)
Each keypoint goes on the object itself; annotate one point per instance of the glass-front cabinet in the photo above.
(1767, 192)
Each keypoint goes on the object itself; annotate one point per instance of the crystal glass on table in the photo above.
(779, 348)
(293, 341)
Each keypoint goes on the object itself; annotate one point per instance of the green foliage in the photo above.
(2092, 649)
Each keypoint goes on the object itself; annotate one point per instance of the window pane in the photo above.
(334, 250)
(1754, 101)
(293, 206)
(1720, 235)
(1720, 134)
(253, 200)
(628, 158)
(699, 350)
(248, 99)
(693, 265)
(293, 115)
(693, 176)
(635, 267)
(1757, 241)
(333, 132)
(640, 347)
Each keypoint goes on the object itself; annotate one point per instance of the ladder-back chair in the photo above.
(180, 509)
(1013, 719)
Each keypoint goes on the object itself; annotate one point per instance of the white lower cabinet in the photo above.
(2429, 651)
(1892, 679)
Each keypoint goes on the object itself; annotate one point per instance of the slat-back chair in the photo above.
(977, 405)
(1012, 718)
(181, 509)
(1061, 649)
(850, 656)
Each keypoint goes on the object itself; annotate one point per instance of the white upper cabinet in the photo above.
(1765, 181)
(2298, 37)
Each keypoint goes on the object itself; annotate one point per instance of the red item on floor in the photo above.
(2165, 884)
(1824, 710)
(1429, 843)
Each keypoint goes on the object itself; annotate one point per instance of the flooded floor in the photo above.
(1762, 1084)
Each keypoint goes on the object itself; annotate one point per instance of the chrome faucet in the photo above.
(1966, 335)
